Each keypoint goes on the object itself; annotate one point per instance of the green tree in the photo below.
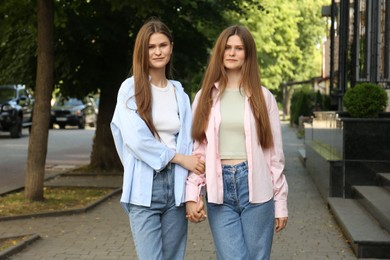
(18, 42)
(93, 42)
(288, 34)
(302, 104)
(312, 32)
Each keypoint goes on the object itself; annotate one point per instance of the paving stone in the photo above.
(104, 232)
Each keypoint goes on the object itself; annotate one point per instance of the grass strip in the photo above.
(55, 199)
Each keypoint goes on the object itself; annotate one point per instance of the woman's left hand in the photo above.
(195, 211)
(280, 223)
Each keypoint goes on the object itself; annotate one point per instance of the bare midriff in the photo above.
(232, 161)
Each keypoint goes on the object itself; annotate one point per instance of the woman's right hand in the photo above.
(195, 211)
(193, 163)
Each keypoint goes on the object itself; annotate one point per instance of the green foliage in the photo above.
(94, 43)
(288, 34)
(18, 42)
(302, 103)
(94, 40)
(365, 100)
(321, 102)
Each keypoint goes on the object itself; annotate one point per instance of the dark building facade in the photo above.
(359, 48)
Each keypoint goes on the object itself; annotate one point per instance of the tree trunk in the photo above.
(104, 155)
(37, 148)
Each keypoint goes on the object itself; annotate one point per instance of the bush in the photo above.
(301, 105)
(365, 100)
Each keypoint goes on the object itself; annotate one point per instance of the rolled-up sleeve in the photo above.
(195, 182)
(194, 185)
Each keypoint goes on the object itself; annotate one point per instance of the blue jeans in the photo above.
(159, 231)
(241, 230)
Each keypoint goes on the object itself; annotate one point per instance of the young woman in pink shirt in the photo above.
(236, 129)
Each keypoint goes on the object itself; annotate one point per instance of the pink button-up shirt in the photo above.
(265, 166)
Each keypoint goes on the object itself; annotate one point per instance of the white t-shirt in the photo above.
(165, 114)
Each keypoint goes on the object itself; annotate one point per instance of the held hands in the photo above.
(195, 211)
(280, 224)
(193, 163)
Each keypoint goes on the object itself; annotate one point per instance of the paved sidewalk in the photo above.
(103, 233)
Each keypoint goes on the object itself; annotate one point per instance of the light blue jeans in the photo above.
(159, 231)
(241, 230)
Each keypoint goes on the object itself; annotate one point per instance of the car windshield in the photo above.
(71, 102)
(7, 94)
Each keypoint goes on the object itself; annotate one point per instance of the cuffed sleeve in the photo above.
(280, 208)
(194, 185)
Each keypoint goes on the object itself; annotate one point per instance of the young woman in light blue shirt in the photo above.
(151, 127)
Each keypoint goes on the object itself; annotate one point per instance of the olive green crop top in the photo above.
(231, 131)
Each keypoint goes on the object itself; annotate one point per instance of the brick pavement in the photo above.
(103, 233)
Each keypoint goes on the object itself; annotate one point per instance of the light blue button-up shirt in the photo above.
(141, 153)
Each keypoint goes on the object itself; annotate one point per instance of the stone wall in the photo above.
(342, 152)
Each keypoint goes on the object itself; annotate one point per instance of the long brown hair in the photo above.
(250, 82)
(140, 69)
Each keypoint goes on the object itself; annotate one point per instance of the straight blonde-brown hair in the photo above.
(250, 83)
(140, 68)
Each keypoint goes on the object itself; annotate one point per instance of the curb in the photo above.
(22, 187)
(64, 212)
(89, 174)
(7, 253)
(19, 246)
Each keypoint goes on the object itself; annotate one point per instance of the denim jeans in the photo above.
(159, 231)
(241, 230)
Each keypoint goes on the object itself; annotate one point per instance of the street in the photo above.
(67, 149)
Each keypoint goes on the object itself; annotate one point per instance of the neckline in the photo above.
(162, 89)
(232, 89)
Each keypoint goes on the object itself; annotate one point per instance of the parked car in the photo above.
(73, 112)
(16, 109)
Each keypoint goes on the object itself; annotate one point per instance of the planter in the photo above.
(342, 151)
